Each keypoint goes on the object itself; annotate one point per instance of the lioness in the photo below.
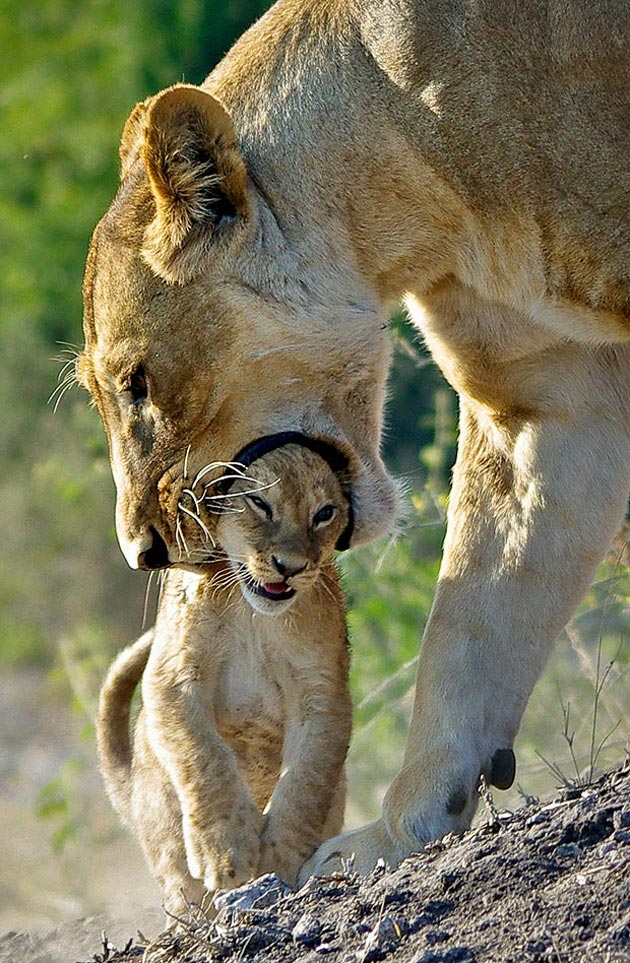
(245, 693)
(471, 158)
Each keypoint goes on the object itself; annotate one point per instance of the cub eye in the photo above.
(260, 505)
(137, 385)
(324, 514)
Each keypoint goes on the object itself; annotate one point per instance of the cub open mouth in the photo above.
(276, 591)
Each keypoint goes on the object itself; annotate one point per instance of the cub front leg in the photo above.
(222, 830)
(536, 500)
(221, 823)
(308, 801)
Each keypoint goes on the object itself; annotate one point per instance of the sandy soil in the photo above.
(43, 890)
(547, 884)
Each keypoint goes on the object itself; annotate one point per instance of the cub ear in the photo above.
(197, 176)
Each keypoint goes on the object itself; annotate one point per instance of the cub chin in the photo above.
(237, 762)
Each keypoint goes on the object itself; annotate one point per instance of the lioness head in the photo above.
(206, 327)
(279, 524)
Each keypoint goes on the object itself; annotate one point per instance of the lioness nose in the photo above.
(287, 567)
(156, 556)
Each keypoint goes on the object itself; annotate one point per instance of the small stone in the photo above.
(265, 891)
(568, 850)
(307, 931)
(449, 880)
(459, 954)
(604, 848)
(385, 936)
(621, 819)
(540, 817)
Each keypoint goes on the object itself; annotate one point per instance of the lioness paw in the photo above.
(358, 851)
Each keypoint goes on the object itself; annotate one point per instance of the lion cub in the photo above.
(237, 763)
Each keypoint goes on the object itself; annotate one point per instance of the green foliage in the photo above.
(72, 71)
(577, 722)
(59, 803)
(390, 591)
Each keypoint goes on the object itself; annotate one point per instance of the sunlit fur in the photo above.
(470, 159)
(245, 699)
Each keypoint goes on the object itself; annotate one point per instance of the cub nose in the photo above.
(287, 567)
(156, 556)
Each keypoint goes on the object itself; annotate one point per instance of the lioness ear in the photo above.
(197, 175)
(132, 138)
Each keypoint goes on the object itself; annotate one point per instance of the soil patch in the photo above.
(550, 882)
(547, 884)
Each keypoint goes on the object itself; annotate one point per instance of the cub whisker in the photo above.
(327, 589)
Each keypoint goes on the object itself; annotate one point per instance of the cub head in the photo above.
(206, 325)
(280, 523)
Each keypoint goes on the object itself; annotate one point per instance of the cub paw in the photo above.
(224, 851)
(281, 859)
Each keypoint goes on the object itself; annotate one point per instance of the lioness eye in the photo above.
(323, 515)
(137, 386)
(260, 504)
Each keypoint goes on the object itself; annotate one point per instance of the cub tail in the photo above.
(113, 737)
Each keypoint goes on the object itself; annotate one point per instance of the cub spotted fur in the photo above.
(237, 765)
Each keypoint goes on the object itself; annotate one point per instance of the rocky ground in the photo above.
(547, 884)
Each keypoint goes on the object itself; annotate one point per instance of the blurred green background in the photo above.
(71, 72)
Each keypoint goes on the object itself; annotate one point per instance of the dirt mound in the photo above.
(548, 883)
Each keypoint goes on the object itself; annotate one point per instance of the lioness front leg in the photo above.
(537, 497)
(221, 823)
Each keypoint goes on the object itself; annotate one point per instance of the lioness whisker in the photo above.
(195, 518)
(59, 391)
(191, 494)
(185, 465)
(225, 478)
(230, 466)
(161, 583)
(250, 491)
(179, 538)
(67, 347)
(145, 607)
(224, 510)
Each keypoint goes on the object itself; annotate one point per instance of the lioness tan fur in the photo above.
(471, 158)
(245, 703)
